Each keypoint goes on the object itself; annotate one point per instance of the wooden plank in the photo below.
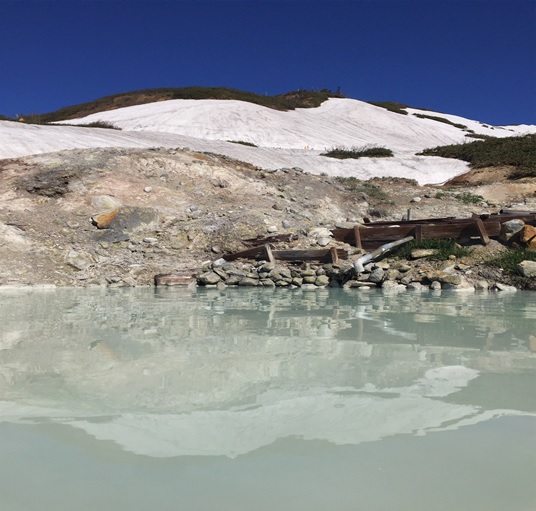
(482, 230)
(334, 255)
(276, 238)
(493, 217)
(250, 253)
(453, 231)
(357, 237)
(308, 255)
(269, 254)
(418, 232)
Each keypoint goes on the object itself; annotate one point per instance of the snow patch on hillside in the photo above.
(283, 139)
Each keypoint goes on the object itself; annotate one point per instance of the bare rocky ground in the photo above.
(178, 209)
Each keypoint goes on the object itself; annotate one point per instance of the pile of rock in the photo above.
(389, 276)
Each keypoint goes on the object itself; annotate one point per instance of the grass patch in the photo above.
(364, 152)
(469, 198)
(242, 142)
(397, 108)
(444, 249)
(371, 190)
(518, 152)
(478, 136)
(98, 124)
(509, 260)
(441, 119)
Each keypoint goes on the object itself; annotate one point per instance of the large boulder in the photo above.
(510, 228)
(527, 268)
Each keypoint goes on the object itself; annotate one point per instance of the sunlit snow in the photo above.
(283, 139)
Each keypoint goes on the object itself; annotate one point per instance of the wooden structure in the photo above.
(324, 255)
(374, 234)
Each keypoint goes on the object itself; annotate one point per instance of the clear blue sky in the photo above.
(475, 58)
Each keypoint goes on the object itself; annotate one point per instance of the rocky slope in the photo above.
(177, 209)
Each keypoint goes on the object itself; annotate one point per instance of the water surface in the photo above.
(266, 399)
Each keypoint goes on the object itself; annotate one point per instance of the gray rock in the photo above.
(481, 285)
(357, 284)
(248, 281)
(79, 260)
(505, 288)
(527, 268)
(322, 281)
(208, 278)
(111, 236)
(104, 202)
(461, 285)
(511, 228)
(377, 275)
(319, 232)
(419, 253)
(416, 286)
(391, 286)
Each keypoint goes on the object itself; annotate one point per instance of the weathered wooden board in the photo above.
(308, 255)
(266, 252)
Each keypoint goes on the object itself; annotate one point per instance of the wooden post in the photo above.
(357, 237)
(418, 232)
(482, 230)
(269, 254)
(334, 255)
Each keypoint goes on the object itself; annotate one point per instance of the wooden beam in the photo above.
(482, 230)
(269, 254)
(357, 237)
(250, 253)
(334, 255)
(418, 232)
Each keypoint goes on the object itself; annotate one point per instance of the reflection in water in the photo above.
(171, 372)
(180, 373)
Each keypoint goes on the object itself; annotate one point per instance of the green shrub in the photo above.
(242, 142)
(444, 249)
(98, 124)
(518, 152)
(397, 108)
(372, 190)
(469, 198)
(441, 119)
(509, 259)
(370, 152)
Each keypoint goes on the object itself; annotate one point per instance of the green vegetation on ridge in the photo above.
(518, 152)
(287, 101)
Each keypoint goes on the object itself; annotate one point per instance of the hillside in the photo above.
(269, 138)
(283, 102)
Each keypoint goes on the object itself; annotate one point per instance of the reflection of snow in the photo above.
(340, 416)
(442, 381)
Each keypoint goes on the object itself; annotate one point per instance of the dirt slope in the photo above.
(179, 208)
